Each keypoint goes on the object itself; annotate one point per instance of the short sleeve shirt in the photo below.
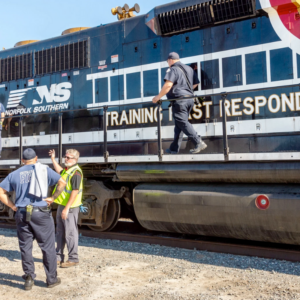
(180, 87)
(19, 181)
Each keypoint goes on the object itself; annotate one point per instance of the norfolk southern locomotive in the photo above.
(62, 92)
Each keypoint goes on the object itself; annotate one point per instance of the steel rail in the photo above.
(271, 251)
(203, 245)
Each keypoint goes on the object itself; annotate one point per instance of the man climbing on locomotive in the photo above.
(180, 82)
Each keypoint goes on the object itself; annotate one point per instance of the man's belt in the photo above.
(37, 208)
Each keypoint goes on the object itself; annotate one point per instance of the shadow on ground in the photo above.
(16, 281)
(13, 255)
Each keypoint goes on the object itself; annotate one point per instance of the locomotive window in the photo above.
(133, 85)
(61, 58)
(232, 71)
(16, 67)
(210, 74)
(163, 74)
(281, 64)
(256, 68)
(102, 89)
(150, 83)
(117, 87)
(298, 65)
(194, 66)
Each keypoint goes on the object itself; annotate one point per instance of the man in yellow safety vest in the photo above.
(68, 202)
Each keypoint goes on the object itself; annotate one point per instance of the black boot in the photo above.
(29, 282)
(52, 285)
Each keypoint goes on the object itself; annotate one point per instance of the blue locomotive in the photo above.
(91, 89)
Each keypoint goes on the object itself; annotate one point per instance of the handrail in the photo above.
(224, 124)
(159, 137)
(60, 130)
(21, 140)
(105, 152)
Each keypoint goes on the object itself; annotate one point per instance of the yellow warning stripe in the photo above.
(297, 3)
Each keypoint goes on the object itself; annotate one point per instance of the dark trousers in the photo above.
(181, 110)
(67, 233)
(41, 228)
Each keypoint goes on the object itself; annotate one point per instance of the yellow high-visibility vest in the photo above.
(64, 197)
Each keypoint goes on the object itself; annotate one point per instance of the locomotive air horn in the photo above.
(136, 8)
(117, 10)
(124, 12)
(125, 7)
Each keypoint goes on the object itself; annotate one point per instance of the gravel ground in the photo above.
(123, 270)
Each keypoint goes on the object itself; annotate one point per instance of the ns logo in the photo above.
(57, 93)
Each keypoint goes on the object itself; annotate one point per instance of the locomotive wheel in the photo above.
(113, 215)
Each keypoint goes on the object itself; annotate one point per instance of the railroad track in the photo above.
(134, 233)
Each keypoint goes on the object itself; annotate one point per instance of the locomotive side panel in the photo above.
(126, 65)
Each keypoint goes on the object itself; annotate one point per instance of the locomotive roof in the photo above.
(110, 27)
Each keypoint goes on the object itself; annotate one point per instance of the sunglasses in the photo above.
(68, 157)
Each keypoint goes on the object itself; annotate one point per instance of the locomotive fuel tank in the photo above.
(230, 172)
(221, 210)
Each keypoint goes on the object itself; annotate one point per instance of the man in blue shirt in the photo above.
(41, 225)
(180, 82)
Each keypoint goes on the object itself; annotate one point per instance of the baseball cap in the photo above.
(29, 154)
(173, 55)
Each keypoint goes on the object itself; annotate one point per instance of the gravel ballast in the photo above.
(124, 270)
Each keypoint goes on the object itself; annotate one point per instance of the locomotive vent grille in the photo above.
(62, 58)
(205, 14)
(16, 67)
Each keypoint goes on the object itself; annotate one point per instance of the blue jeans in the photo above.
(181, 110)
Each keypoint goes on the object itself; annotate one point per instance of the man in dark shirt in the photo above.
(41, 225)
(180, 82)
(68, 208)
